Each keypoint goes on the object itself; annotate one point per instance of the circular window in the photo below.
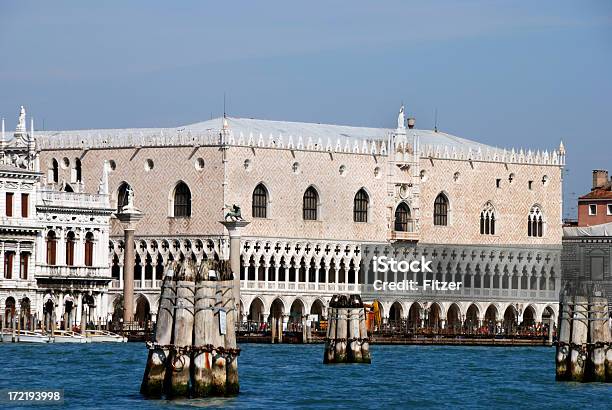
(247, 164)
(511, 177)
(545, 180)
(377, 172)
(296, 167)
(112, 164)
(342, 170)
(199, 164)
(148, 165)
(65, 163)
(456, 176)
(423, 175)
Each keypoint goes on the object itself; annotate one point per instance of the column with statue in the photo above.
(129, 217)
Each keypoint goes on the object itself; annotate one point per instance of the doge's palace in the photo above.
(322, 199)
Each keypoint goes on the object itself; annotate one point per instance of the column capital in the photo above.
(234, 227)
(129, 217)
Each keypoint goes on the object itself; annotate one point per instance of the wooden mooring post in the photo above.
(194, 353)
(180, 356)
(347, 338)
(584, 347)
(155, 372)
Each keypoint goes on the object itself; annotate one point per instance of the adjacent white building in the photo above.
(53, 254)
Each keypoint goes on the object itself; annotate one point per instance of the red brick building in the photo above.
(595, 207)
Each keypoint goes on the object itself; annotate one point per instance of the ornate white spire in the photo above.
(21, 123)
(561, 148)
(400, 118)
(103, 188)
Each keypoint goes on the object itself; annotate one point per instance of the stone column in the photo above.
(17, 262)
(276, 269)
(129, 216)
(246, 273)
(128, 276)
(60, 248)
(235, 232)
(286, 268)
(120, 275)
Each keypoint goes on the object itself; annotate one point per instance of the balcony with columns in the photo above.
(73, 272)
(533, 287)
(53, 198)
(319, 283)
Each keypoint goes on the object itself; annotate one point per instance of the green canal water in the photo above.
(100, 376)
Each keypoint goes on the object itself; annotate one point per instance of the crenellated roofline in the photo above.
(243, 132)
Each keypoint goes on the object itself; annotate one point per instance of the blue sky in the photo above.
(511, 74)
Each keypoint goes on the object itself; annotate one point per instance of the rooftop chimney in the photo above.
(600, 178)
(411, 122)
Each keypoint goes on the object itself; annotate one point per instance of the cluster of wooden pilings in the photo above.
(194, 353)
(347, 336)
(584, 346)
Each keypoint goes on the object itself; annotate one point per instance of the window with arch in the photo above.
(360, 206)
(260, 202)
(89, 249)
(51, 248)
(70, 240)
(311, 202)
(535, 223)
(122, 196)
(24, 260)
(487, 220)
(54, 171)
(441, 210)
(77, 170)
(8, 264)
(182, 201)
(402, 218)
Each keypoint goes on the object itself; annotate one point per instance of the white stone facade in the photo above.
(294, 264)
(53, 244)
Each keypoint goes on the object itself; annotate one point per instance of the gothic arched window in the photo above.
(77, 170)
(122, 196)
(182, 200)
(89, 249)
(487, 220)
(311, 203)
(70, 240)
(55, 171)
(535, 223)
(360, 206)
(51, 248)
(441, 210)
(402, 218)
(260, 202)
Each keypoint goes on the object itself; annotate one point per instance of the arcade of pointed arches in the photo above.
(448, 313)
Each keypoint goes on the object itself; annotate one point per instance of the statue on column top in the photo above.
(130, 197)
(21, 125)
(400, 118)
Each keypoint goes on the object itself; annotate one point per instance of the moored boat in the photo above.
(98, 336)
(66, 336)
(6, 336)
(24, 336)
